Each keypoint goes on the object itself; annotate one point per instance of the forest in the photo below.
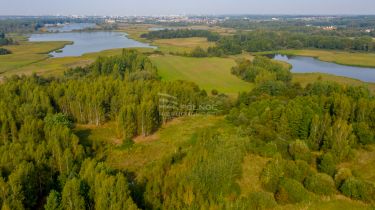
(265, 40)
(305, 132)
(181, 33)
(43, 163)
(347, 26)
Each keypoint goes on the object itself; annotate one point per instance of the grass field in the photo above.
(163, 143)
(208, 73)
(27, 53)
(181, 45)
(339, 57)
(363, 164)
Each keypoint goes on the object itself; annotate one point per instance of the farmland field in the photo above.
(208, 73)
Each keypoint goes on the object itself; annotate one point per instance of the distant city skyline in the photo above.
(179, 7)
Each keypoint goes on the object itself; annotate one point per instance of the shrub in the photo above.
(297, 170)
(291, 191)
(4, 51)
(300, 151)
(58, 119)
(320, 184)
(261, 200)
(364, 133)
(214, 92)
(327, 164)
(268, 150)
(271, 175)
(127, 143)
(358, 189)
(342, 175)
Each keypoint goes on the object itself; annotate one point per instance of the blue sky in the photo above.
(167, 7)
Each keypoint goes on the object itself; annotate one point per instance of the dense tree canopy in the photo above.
(181, 33)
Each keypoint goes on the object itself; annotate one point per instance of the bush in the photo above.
(127, 143)
(261, 200)
(4, 51)
(271, 175)
(268, 150)
(297, 170)
(291, 191)
(214, 92)
(58, 119)
(342, 175)
(300, 151)
(364, 133)
(358, 189)
(327, 164)
(320, 184)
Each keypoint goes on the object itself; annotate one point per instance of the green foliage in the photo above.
(265, 40)
(4, 51)
(342, 175)
(58, 119)
(73, 195)
(201, 178)
(300, 151)
(327, 164)
(261, 70)
(358, 189)
(272, 174)
(320, 184)
(261, 200)
(291, 191)
(297, 170)
(181, 33)
(53, 201)
(364, 133)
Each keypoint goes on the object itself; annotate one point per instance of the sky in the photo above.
(181, 7)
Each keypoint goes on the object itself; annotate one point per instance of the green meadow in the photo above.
(208, 73)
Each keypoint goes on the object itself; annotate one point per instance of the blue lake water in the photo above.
(87, 42)
(303, 64)
(71, 27)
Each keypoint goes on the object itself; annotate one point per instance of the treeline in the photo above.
(43, 163)
(5, 40)
(308, 132)
(181, 33)
(257, 41)
(354, 26)
(261, 70)
(31, 24)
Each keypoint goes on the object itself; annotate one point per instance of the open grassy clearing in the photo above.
(251, 170)
(181, 45)
(208, 73)
(339, 57)
(363, 164)
(163, 143)
(26, 53)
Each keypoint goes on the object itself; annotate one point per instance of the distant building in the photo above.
(110, 21)
(329, 28)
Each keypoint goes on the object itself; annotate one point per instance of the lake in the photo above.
(70, 27)
(87, 42)
(303, 64)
